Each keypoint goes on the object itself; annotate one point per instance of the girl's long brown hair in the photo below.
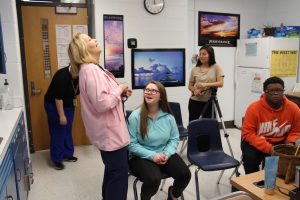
(163, 105)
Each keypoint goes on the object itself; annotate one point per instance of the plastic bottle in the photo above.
(7, 97)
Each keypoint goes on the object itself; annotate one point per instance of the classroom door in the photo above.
(39, 28)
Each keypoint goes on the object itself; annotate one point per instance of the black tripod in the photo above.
(216, 107)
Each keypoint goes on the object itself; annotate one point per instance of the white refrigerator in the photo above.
(255, 58)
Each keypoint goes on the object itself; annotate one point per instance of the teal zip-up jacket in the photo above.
(162, 136)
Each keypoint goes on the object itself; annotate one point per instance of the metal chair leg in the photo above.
(135, 190)
(235, 171)
(182, 197)
(183, 145)
(197, 184)
(220, 176)
(162, 184)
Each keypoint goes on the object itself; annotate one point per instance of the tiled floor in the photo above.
(82, 180)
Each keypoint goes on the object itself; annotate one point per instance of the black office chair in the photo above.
(183, 132)
(205, 149)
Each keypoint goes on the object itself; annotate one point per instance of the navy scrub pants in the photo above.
(61, 144)
(115, 180)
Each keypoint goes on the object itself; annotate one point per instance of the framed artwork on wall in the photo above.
(114, 44)
(164, 65)
(2, 52)
(218, 29)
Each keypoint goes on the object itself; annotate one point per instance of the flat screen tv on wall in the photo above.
(164, 65)
(2, 53)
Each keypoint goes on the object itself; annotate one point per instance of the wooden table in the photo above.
(245, 183)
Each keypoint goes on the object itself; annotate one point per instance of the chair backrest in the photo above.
(204, 135)
(128, 112)
(175, 107)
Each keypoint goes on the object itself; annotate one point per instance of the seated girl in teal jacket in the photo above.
(154, 138)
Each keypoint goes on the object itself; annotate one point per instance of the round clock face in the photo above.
(154, 6)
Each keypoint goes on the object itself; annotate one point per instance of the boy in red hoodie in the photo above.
(271, 120)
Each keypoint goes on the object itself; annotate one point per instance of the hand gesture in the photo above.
(124, 87)
(62, 120)
(127, 93)
(200, 85)
(197, 92)
(160, 159)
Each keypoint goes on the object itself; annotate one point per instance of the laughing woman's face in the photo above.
(92, 45)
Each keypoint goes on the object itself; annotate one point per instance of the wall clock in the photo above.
(154, 6)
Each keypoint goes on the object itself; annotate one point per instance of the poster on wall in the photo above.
(218, 29)
(114, 44)
(63, 38)
(2, 53)
(284, 63)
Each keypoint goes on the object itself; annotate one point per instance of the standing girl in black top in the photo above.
(60, 102)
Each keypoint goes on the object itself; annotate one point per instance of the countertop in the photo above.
(8, 123)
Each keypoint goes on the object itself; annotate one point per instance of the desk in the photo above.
(245, 183)
(294, 97)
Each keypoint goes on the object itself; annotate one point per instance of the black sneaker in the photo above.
(59, 166)
(71, 159)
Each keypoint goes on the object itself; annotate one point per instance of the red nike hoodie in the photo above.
(264, 126)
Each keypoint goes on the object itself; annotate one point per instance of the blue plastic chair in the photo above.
(183, 132)
(205, 149)
(127, 114)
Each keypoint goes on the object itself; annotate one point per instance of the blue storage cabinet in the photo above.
(8, 189)
(15, 169)
(21, 161)
(3, 195)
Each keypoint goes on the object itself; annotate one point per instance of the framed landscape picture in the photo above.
(218, 29)
(2, 53)
(113, 29)
(164, 65)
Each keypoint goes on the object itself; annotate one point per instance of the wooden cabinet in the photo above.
(15, 168)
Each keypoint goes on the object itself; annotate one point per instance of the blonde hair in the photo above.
(78, 54)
